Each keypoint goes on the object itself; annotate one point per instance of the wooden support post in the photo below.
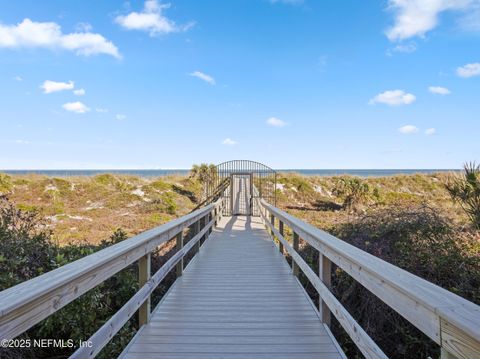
(215, 216)
(272, 221)
(179, 247)
(325, 274)
(212, 216)
(296, 241)
(203, 222)
(208, 218)
(280, 228)
(143, 277)
(196, 230)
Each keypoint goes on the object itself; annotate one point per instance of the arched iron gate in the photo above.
(239, 182)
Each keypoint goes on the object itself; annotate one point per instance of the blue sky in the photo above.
(290, 83)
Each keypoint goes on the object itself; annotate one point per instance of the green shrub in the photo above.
(421, 241)
(161, 185)
(353, 191)
(105, 179)
(465, 189)
(162, 203)
(5, 183)
(26, 251)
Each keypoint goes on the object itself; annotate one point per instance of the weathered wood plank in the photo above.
(243, 340)
(144, 266)
(179, 245)
(325, 274)
(296, 241)
(314, 326)
(233, 356)
(457, 343)
(232, 348)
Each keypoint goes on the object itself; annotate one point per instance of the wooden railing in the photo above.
(449, 320)
(27, 303)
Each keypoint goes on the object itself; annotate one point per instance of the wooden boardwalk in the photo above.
(236, 299)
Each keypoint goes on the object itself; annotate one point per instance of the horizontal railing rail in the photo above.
(217, 193)
(448, 319)
(27, 303)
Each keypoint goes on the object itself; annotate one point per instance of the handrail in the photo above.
(215, 196)
(363, 341)
(27, 303)
(103, 335)
(448, 319)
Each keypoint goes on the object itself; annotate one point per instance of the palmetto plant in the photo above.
(464, 188)
(354, 192)
(205, 174)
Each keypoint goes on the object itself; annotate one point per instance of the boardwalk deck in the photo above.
(237, 299)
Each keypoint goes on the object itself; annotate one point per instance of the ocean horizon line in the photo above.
(362, 172)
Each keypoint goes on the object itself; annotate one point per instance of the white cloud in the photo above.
(77, 107)
(229, 142)
(439, 90)
(79, 92)
(403, 48)
(430, 131)
(18, 78)
(203, 76)
(469, 70)
(417, 17)
(52, 86)
(48, 35)
(393, 98)
(408, 129)
(151, 19)
(120, 117)
(276, 122)
(101, 110)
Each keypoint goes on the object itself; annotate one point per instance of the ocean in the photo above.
(160, 172)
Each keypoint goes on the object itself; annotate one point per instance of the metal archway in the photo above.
(239, 182)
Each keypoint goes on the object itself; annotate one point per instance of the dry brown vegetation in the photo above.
(314, 200)
(89, 209)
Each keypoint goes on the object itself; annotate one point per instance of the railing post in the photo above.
(208, 218)
(203, 223)
(144, 277)
(325, 274)
(179, 247)
(272, 221)
(196, 230)
(211, 217)
(280, 228)
(296, 241)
